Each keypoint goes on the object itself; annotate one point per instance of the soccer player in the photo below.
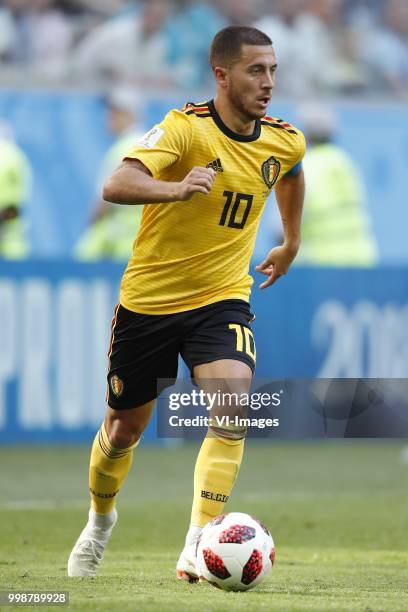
(203, 174)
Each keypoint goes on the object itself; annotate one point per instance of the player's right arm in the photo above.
(139, 179)
(133, 183)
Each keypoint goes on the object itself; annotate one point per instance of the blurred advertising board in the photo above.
(55, 327)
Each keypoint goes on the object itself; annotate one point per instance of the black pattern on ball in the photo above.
(237, 534)
(215, 565)
(252, 568)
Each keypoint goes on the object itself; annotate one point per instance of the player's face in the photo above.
(250, 81)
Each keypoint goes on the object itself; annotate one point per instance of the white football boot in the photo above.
(185, 569)
(87, 553)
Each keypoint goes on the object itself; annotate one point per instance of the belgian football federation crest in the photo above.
(116, 385)
(270, 171)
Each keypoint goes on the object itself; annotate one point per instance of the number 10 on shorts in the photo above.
(245, 340)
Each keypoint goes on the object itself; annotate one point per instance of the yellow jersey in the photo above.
(192, 253)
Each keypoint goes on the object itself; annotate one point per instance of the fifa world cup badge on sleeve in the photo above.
(151, 138)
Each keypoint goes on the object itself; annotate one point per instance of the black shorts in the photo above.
(145, 348)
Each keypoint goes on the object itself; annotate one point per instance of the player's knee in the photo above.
(122, 435)
(229, 421)
(228, 433)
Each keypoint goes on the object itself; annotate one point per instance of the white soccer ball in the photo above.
(235, 552)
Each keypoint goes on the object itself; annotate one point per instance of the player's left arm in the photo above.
(290, 193)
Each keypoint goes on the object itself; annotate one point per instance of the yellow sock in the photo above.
(108, 469)
(216, 469)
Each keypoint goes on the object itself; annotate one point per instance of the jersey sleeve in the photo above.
(165, 144)
(298, 154)
(294, 170)
(301, 149)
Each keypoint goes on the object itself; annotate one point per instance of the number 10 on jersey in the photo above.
(240, 198)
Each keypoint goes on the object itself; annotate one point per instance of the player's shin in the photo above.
(108, 469)
(216, 470)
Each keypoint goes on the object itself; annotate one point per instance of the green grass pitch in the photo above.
(338, 512)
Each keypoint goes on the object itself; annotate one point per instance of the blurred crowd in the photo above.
(323, 46)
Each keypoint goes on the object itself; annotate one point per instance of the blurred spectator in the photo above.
(100, 7)
(131, 48)
(237, 12)
(191, 30)
(42, 34)
(280, 25)
(323, 46)
(113, 228)
(362, 12)
(7, 33)
(336, 227)
(15, 183)
(308, 37)
(384, 48)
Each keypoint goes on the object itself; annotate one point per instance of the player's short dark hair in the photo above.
(227, 44)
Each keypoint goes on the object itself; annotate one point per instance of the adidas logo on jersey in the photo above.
(216, 165)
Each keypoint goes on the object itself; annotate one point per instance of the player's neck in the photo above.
(233, 120)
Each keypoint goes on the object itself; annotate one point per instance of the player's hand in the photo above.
(198, 180)
(276, 264)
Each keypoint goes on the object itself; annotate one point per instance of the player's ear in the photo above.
(220, 75)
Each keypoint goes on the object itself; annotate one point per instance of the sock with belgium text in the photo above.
(216, 469)
(108, 469)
